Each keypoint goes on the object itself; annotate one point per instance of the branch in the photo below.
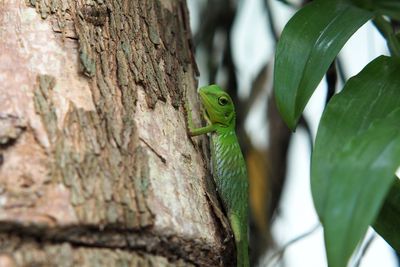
(364, 250)
(279, 253)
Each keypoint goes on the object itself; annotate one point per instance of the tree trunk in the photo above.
(96, 168)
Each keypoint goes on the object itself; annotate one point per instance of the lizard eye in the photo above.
(222, 100)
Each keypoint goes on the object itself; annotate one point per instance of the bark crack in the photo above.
(153, 150)
(143, 240)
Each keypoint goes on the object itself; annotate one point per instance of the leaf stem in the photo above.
(387, 32)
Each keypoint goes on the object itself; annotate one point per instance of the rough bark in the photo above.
(96, 168)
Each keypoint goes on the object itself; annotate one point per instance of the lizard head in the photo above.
(218, 105)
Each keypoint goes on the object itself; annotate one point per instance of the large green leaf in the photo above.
(349, 113)
(308, 45)
(388, 222)
(357, 151)
(362, 175)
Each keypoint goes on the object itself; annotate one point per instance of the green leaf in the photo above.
(357, 151)
(388, 222)
(308, 45)
(350, 113)
(390, 8)
(362, 176)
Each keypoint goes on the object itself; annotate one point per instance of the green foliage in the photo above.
(357, 148)
(388, 221)
(356, 153)
(384, 7)
(300, 65)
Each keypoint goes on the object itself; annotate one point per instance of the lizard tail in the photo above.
(242, 253)
(242, 247)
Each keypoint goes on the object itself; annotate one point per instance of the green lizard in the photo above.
(229, 167)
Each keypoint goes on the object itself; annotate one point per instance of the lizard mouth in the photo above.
(206, 114)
